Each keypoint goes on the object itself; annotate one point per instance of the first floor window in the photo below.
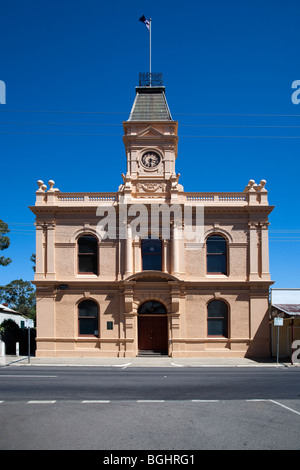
(216, 248)
(88, 318)
(151, 254)
(88, 255)
(217, 318)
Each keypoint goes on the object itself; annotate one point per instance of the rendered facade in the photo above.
(151, 268)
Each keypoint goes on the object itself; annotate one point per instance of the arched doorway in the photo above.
(152, 328)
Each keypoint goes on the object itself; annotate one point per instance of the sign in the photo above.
(28, 323)
(278, 321)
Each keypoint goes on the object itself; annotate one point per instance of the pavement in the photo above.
(150, 361)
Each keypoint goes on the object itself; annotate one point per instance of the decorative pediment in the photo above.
(150, 132)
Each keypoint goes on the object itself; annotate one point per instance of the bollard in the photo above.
(2, 348)
(17, 349)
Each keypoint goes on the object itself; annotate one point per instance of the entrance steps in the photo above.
(151, 353)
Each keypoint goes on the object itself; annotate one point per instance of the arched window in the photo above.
(151, 254)
(217, 318)
(88, 318)
(216, 252)
(152, 307)
(88, 255)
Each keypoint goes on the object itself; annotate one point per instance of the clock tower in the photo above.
(150, 138)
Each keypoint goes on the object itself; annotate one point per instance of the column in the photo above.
(51, 250)
(253, 252)
(175, 250)
(39, 250)
(165, 256)
(137, 255)
(265, 274)
(130, 321)
(129, 252)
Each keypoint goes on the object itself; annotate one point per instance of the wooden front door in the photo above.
(153, 333)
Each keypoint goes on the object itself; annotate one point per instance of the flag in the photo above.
(146, 22)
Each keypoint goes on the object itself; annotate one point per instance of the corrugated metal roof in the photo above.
(289, 309)
(150, 104)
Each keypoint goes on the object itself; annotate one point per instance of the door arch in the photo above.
(152, 328)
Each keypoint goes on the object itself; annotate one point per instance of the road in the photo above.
(149, 408)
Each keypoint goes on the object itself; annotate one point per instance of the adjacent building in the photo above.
(150, 268)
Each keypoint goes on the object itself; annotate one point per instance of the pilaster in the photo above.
(50, 250)
(40, 252)
(265, 270)
(253, 252)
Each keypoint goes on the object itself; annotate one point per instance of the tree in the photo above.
(19, 295)
(10, 334)
(33, 260)
(4, 242)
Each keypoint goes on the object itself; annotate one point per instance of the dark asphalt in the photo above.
(80, 383)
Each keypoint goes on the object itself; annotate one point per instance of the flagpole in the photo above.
(150, 49)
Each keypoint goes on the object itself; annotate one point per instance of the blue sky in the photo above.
(71, 68)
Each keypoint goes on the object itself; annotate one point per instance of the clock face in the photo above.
(150, 159)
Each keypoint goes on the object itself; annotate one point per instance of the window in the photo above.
(151, 254)
(152, 307)
(88, 318)
(216, 249)
(217, 318)
(87, 255)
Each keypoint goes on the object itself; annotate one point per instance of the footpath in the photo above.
(148, 361)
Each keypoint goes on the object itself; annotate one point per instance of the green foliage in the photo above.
(10, 325)
(20, 296)
(33, 259)
(4, 242)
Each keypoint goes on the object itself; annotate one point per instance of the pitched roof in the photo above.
(290, 309)
(6, 309)
(150, 104)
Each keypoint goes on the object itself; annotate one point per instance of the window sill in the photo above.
(87, 337)
(83, 275)
(220, 337)
(216, 275)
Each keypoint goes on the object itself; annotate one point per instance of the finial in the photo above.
(262, 183)
(40, 184)
(51, 184)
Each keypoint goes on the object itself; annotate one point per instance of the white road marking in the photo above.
(38, 402)
(29, 376)
(286, 407)
(95, 401)
(258, 399)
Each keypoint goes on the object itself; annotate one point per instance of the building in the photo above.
(151, 268)
(285, 304)
(7, 313)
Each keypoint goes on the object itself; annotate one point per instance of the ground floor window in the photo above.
(217, 318)
(88, 318)
(152, 307)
